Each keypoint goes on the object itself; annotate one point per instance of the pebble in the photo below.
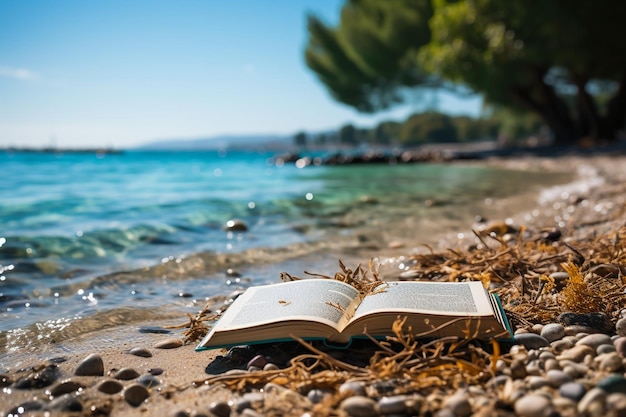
(576, 353)
(592, 403)
(92, 365)
(533, 405)
(598, 321)
(613, 384)
(220, 409)
(148, 381)
(595, 340)
(553, 331)
(531, 340)
(136, 394)
(66, 403)
(558, 377)
(459, 405)
(620, 346)
(139, 351)
(39, 379)
(352, 388)
(155, 371)
(171, 343)
(258, 361)
(610, 362)
(26, 406)
(316, 395)
(66, 387)
(392, 405)
(5, 381)
(572, 390)
(359, 406)
(620, 327)
(235, 225)
(126, 374)
(110, 386)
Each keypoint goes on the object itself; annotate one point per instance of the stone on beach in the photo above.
(92, 365)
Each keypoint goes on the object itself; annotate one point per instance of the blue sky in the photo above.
(122, 73)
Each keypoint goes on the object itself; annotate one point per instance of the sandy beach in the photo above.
(158, 374)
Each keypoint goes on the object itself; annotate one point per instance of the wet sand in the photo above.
(44, 379)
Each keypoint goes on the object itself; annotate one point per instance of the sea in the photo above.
(96, 241)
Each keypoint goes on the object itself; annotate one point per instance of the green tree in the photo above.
(428, 127)
(371, 56)
(300, 139)
(564, 60)
(348, 135)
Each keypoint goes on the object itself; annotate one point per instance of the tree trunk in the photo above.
(589, 119)
(615, 119)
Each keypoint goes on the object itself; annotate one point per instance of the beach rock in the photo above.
(136, 394)
(359, 406)
(610, 362)
(592, 403)
(66, 403)
(595, 340)
(459, 405)
(235, 225)
(533, 405)
(553, 331)
(171, 343)
(154, 330)
(258, 361)
(617, 403)
(142, 352)
(126, 374)
(606, 348)
(619, 343)
(576, 354)
(109, 386)
(613, 384)
(148, 381)
(220, 409)
(155, 371)
(39, 379)
(620, 327)
(92, 365)
(25, 407)
(352, 388)
(66, 387)
(558, 377)
(572, 390)
(531, 340)
(316, 395)
(392, 405)
(597, 321)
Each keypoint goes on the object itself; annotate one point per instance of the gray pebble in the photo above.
(598, 321)
(359, 406)
(136, 394)
(352, 388)
(595, 340)
(316, 395)
(126, 374)
(110, 386)
(533, 405)
(270, 367)
(148, 381)
(235, 225)
(459, 405)
(5, 380)
(65, 403)
(392, 405)
(531, 340)
(155, 371)
(572, 390)
(258, 361)
(535, 382)
(553, 331)
(220, 409)
(138, 351)
(606, 348)
(26, 406)
(558, 377)
(66, 387)
(92, 365)
(171, 343)
(620, 327)
(558, 346)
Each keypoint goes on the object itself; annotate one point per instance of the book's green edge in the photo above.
(200, 348)
(505, 319)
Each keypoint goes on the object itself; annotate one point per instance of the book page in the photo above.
(322, 300)
(442, 298)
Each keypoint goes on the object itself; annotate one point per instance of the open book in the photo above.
(334, 311)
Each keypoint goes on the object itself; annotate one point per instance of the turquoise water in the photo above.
(90, 241)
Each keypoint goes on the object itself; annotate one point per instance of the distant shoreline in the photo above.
(99, 151)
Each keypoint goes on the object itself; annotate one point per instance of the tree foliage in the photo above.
(564, 60)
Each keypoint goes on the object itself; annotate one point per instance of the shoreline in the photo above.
(580, 210)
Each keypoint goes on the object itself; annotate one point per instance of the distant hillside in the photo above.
(224, 142)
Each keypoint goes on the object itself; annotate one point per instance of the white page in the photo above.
(307, 299)
(444, 298)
